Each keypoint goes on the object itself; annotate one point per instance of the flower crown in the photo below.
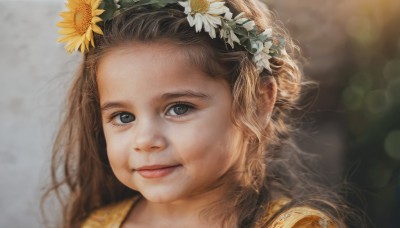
(82, 19)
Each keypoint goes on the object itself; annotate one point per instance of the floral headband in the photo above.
(82, 18)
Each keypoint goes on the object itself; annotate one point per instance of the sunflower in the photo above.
(79, 24)
(205, 13)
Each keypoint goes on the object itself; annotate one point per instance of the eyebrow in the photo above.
(110, 105)
(165, 96)
(185, 93)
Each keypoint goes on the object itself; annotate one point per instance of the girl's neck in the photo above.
(194, 211)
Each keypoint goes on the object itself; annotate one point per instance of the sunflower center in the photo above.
(82, 18)
(199, 6)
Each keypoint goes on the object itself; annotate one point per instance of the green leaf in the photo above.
(125, 4)
(247, 44)
(109, 7)
(263, 38)
(240, 31)
(282, 42)
(163, 3)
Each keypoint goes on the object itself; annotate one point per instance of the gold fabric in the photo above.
(113, 216)
(302, 217)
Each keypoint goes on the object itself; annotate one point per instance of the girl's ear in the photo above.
(268, 92)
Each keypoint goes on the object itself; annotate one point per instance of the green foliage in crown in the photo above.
(212, 16)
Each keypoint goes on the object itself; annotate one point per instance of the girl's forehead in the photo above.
(144, 58)
(153, 55)
(144, 69)
(156, 48)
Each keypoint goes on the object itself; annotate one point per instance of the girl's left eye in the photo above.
(179, 109)
(122, 118)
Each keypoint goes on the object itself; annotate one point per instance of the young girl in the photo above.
(179, 117)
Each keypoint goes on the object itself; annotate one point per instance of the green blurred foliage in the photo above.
(372, 100)
(353, 47)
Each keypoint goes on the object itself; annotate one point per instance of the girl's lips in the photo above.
(156, 171)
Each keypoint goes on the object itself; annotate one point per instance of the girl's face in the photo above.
(167, 124)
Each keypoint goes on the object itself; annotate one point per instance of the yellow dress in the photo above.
(113, 216)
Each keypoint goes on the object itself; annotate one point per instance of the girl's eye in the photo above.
(179, 109)
(124, 118)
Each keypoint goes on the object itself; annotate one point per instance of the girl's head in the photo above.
(167, 125)
(167, 31)
(156, 94)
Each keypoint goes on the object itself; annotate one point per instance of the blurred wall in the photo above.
(34, 73)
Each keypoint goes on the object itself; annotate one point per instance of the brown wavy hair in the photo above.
(82, 178)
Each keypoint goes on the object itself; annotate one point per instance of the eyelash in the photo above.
(115, 115)
(190, 107)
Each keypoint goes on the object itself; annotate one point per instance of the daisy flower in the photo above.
(244, 22)
(79, 24)
(205, 13)
(261, 57)
(267, 33)
(229, 36)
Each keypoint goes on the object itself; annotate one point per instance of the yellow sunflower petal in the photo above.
(79, 43)
(97, 30)
(97, 12)
(72, 41)
(89, 34)
(69, 51)
(66, 15)
(65, 38)
(92, 42)
(65, 24)
(67, 31)
(87, 44)
(70, 6)
(70, 48)
(74, 3)
(96, 19)
(96, 4)
(82, 48)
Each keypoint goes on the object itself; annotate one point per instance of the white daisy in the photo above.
(116, 2)
(244, 22)
(261, 57)
(227, 32)
(267, 32)
(229, 36)
(204, 13)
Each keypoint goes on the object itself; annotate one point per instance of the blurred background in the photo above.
(351, 48)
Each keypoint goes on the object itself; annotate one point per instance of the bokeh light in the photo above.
(353, 50)
(392, 144)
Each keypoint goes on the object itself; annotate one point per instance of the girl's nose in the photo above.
(148, 137)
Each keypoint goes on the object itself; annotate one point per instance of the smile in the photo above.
(156, 171)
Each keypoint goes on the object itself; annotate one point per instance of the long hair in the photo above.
(270, 167)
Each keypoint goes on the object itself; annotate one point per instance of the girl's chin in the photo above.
(161, 196)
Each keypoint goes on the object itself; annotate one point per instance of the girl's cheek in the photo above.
(117, 147)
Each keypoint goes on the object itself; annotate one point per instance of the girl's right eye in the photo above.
(123, 118)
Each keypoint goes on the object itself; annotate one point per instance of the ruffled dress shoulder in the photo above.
(113, 216)
(296, 217)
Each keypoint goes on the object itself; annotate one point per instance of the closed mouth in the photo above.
(156, 171)
(155, 167)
